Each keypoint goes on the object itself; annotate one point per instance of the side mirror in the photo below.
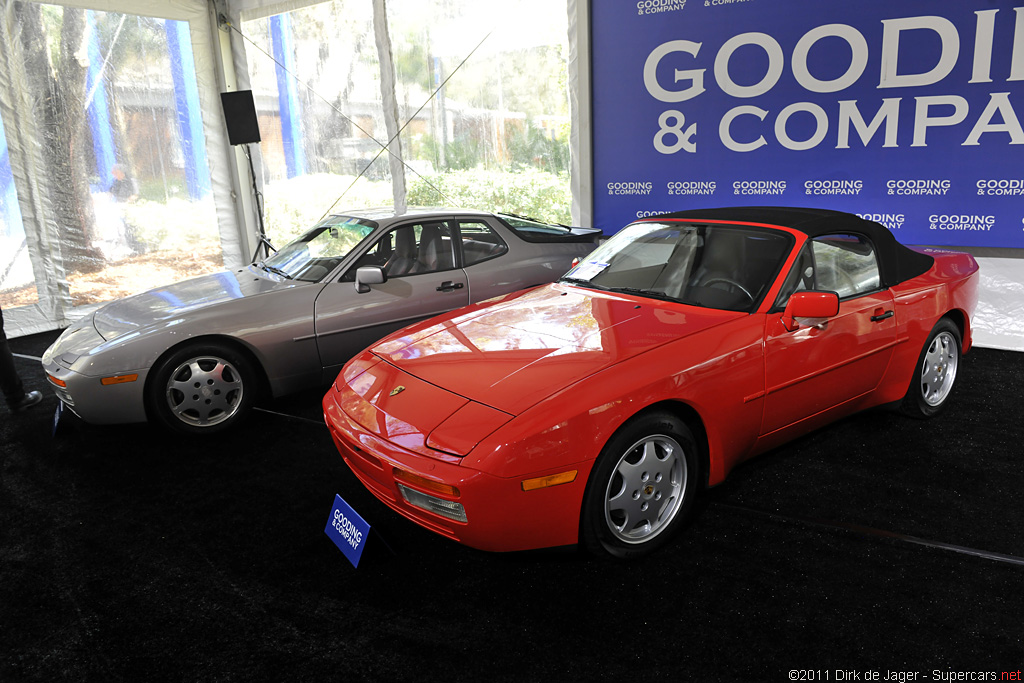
(369, 275)
(809, 304)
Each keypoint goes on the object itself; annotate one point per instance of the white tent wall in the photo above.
(999, 319)
(580, 140)
(24, 141)
(27, 168)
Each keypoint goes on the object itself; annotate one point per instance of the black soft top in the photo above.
(896, 262)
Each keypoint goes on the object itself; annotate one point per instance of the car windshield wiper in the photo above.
(275, 270)
(652, 293)
(583, 283)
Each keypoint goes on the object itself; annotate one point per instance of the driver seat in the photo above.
(403, 258)
(432, 253)
(724, 257)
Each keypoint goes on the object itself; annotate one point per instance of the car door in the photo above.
(490, 272)
(423, 280)
(825, 363)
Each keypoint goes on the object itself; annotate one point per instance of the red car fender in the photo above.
(950, 289)
(716, 376)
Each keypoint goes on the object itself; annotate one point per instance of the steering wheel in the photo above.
(731, 283)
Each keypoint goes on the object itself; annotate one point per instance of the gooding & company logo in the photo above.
(658, 6)
(691, 187)
(833, 187)
(964, 222)
(1006, 187)
(893, 221)
(632, 187)
(759, 187)
(910, 187)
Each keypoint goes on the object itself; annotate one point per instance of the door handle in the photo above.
(449, 286)
(882, 316)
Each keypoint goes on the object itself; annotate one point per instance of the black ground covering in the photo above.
(126, 555)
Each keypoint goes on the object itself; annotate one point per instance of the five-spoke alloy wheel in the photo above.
(642, 487)
(202, 388)
(935, 375)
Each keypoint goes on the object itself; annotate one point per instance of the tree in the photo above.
(60, 111)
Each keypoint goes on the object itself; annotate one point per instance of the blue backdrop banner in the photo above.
(908, 113)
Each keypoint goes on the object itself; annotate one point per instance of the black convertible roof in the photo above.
(897, 263)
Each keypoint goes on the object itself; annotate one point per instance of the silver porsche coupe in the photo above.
(196, 355)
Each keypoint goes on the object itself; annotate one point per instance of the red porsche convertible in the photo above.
(593, 409)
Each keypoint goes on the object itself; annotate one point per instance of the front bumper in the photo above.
(67, 363)
(500, 515)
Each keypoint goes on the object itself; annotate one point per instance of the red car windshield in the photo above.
(728, 267)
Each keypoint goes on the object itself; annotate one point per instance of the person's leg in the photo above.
(10, 383)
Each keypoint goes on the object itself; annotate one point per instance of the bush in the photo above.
(294, 205)
(540, 195)
(175, 224)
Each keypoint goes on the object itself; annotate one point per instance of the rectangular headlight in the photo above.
(439, 506)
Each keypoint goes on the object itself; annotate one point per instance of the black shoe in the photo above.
(27, 401)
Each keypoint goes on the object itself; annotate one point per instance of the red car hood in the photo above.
(513, 354)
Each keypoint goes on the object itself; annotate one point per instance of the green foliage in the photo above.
(294, 205)
(174, 224)
(529, 80)
(532, 146)
(464, 152)
(529, 192)
(412, 64)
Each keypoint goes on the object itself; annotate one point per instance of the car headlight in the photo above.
(425, 501)
(439, 506)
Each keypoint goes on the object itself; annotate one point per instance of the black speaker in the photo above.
(240, 115)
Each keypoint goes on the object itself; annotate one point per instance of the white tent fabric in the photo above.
(580, 148)
(387, 90)
(999, 319)
(247, 10)
(43, 233)
(27, 169)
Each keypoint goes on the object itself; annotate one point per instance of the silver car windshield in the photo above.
(319, 251)
(726, 267)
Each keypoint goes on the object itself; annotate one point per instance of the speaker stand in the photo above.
(263, 243)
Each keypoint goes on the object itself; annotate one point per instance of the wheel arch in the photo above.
(962, 322)
(594, 531)
(262, 381)
(693, 420)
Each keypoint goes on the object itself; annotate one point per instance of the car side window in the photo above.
(479, 242)
(800, 278)
(845, 264)
(410, 250)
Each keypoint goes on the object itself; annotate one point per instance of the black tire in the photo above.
(202, 388)
(641, 490)
(935, 375)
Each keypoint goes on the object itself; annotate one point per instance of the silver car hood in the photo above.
(164, 304)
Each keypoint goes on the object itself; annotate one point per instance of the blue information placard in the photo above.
(347, 529)
(907, 113)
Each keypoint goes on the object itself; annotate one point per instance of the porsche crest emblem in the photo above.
(397, 390)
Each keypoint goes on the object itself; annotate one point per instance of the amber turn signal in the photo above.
(425, 484)
(59, 382)
(118, 379)
(550, 480)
